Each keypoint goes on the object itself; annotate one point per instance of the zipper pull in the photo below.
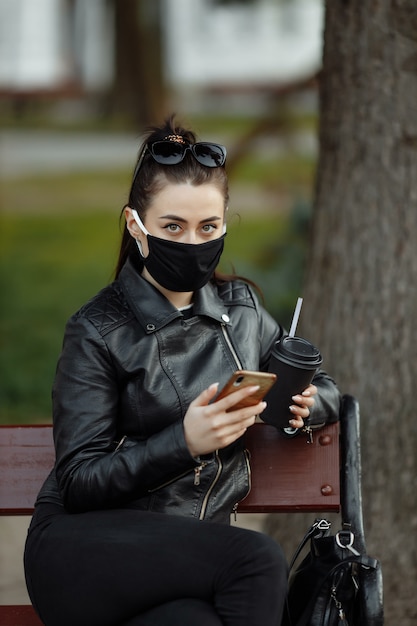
(121, 442)
(197, 473)
(309, 432)
(234, 511)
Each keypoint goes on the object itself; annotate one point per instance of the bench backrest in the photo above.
(286, 474)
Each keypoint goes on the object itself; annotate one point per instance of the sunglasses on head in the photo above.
(168, 152)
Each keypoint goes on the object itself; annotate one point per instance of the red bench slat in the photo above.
(287, 474)
(23, 615)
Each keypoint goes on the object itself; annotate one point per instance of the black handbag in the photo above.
(334, 585)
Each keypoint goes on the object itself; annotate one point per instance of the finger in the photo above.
(234, 418)
(241, 415)
(229, 401)
(303, 401)
(296, 423)
(300, 411)
(311, 390)
(247, 413)
(231, 432)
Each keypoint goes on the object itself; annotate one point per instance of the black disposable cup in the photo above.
(295, 361)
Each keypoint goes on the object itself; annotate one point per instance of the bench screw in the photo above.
(325, 440)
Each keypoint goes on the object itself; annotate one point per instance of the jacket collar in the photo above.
(154, 310)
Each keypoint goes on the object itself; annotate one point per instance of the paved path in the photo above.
(39, 152)
(25, 152)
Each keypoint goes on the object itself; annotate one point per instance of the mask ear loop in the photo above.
(143, 229)
(139, 222)
(224, 221)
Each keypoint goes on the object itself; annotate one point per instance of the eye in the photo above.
(172, 228)
(209, 228)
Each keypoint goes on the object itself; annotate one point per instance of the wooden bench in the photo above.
(288, 475)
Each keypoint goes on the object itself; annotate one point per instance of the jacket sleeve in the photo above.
(92, 470)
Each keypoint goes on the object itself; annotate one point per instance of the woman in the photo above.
(132, 525)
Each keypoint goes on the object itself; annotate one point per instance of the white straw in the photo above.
(295, 317)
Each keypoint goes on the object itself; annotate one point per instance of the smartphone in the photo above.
(245, 378)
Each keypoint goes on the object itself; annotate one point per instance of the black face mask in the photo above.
(182, 266)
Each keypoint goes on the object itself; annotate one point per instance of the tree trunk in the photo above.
(360, 302)
(138, 90)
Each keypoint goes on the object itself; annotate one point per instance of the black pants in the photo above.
(133, 568)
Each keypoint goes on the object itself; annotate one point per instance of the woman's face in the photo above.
(183, 213)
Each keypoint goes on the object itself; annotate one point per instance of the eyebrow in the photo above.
(177, 218)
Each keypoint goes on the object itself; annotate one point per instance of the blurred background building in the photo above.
(68, 47)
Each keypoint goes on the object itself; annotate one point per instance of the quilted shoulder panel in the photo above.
(236, 293)
(108, 310)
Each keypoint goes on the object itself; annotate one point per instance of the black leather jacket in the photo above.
(130, 366)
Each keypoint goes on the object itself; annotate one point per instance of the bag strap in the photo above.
(318, 529)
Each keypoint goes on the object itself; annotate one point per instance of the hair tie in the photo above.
(176, 138)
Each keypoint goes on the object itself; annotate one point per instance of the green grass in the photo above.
(50, 266)
(40, 116)
(289, 172)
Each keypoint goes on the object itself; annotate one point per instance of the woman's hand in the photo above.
(210, 427)
(303, 402)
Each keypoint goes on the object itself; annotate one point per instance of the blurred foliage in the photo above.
(271, 251)
(43, 114)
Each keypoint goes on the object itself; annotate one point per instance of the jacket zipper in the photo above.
(218, 459)
(197, 470)
(247, 460)
(169, 482)
(197, 473)
(210, 489)
(231, 348)
(247, 454)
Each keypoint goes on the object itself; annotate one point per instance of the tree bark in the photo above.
(360, 299)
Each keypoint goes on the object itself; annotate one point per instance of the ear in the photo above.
(131, 224)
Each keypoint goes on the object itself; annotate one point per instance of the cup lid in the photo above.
(299, 347)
